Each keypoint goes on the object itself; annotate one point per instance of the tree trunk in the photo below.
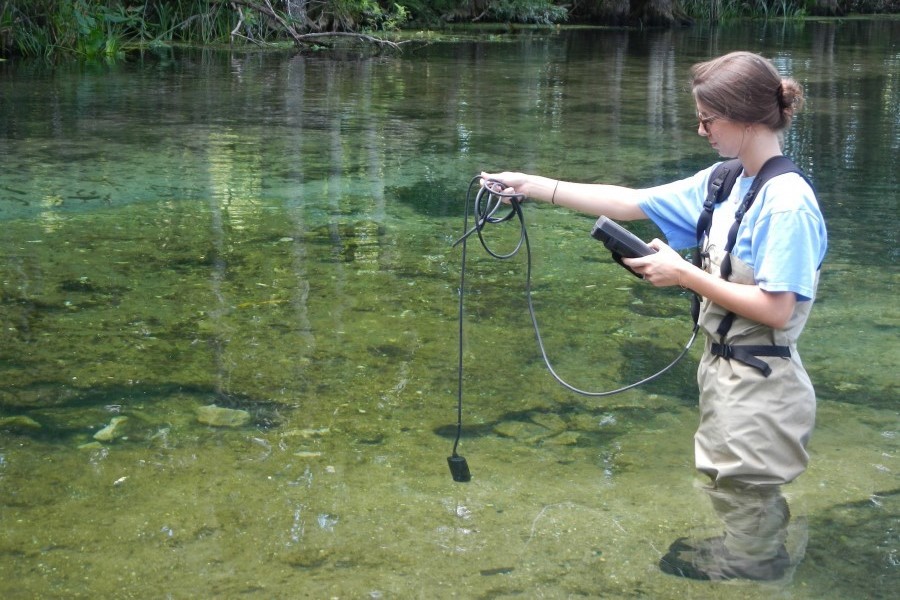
(829, 8)
(643, 12)
(653, 12)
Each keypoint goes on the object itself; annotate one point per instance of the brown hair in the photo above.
(745, 87)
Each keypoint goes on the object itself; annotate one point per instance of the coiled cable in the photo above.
(488, 202)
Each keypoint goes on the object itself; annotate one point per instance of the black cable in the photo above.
(484, 214)
(485, 210)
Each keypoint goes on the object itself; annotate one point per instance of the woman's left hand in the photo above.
(662, 268)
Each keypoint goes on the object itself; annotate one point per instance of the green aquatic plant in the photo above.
(714, 11)
(94, 29)
(84, 28)
(542, 12)
(102, 32)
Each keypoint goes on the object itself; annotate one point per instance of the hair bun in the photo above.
(790, 96)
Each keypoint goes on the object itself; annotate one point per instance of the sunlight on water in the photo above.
(272, 235)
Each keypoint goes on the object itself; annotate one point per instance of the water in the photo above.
(272, 233)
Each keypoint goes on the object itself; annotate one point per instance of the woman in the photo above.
(755, 419)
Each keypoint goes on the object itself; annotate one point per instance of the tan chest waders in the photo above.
(757, 404)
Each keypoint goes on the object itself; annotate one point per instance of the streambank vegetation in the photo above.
(108, 28)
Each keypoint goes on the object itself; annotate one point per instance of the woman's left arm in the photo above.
(666, 267)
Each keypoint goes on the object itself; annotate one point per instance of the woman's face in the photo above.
(726, 137)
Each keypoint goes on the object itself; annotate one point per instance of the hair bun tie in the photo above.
(779, 95)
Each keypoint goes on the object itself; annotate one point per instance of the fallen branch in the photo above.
(305, 39)
(361, 36)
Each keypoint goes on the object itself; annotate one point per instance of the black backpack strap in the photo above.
(718, 186)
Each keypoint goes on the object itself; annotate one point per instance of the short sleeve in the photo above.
(675, 207)
(788, 239)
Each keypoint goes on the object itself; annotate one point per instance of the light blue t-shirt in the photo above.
(782, 236)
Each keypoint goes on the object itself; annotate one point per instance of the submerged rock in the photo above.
(521, 431)
(551, 421)
(216, 416)
(90, 446)
(19, 422)
(115, 429)
(306, 433)
(566, 438)
(539, 429)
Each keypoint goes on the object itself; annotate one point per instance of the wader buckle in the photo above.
(748, 354)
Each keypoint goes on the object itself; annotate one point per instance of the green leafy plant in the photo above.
(526, 11)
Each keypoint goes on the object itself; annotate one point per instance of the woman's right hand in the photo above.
(512, 183)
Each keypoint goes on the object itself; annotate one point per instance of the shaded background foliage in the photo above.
(106, 28)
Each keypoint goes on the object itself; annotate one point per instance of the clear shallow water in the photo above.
(273, 233)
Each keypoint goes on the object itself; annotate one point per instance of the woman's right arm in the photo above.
(616, 202)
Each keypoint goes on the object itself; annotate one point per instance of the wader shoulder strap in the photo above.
(777, 165)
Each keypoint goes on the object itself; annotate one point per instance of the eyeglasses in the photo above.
(705, 121)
